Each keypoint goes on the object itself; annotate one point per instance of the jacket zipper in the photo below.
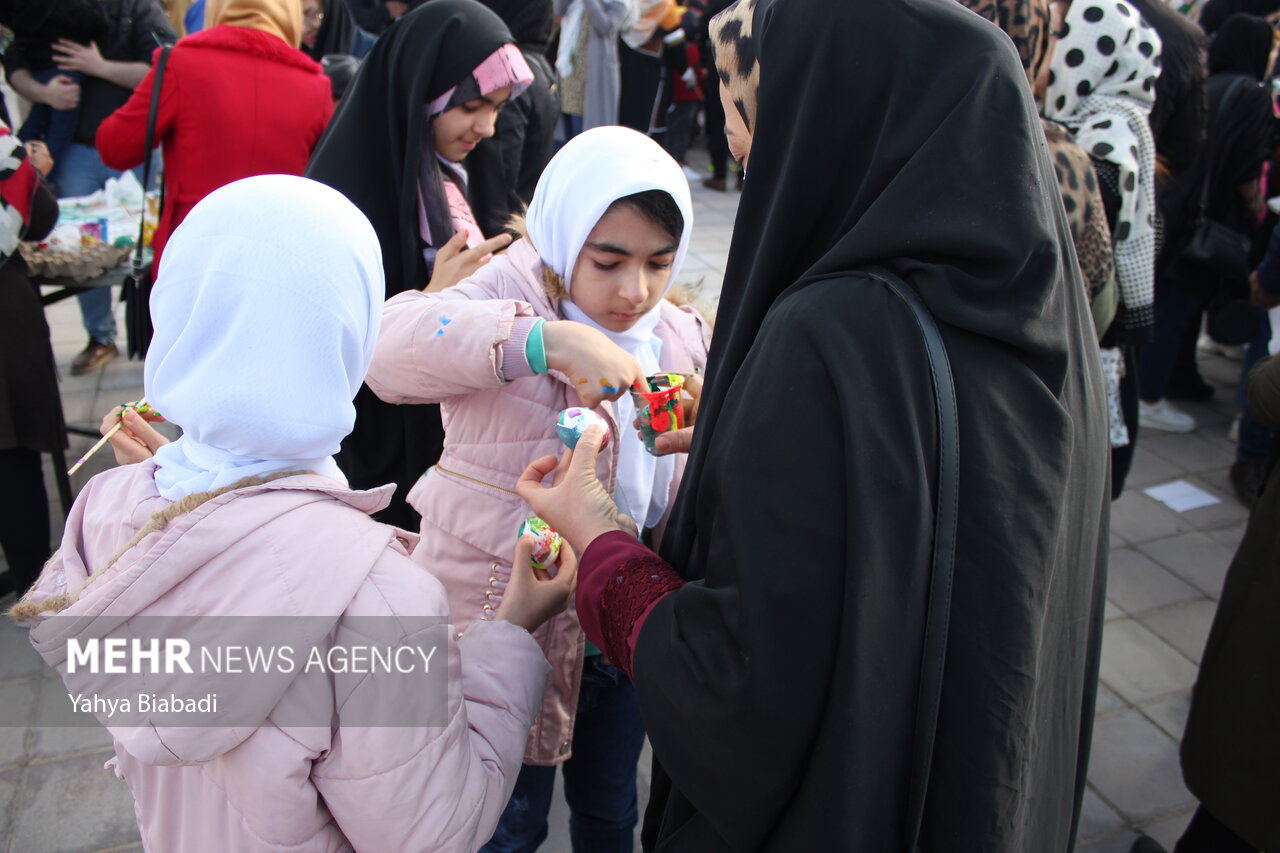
(443, 470)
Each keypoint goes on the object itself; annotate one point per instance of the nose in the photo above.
(486, 123)
(635, 290)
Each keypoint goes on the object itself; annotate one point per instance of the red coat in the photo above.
(234, 102)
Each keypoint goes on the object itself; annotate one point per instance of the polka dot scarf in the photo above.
(1102, 86)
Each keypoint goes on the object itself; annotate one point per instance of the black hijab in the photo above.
(371, 153)
(530, 21)
(1241, 46)
(337, 31)
(372, 149)
(779, 687)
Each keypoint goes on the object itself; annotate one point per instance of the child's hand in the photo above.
(136, 441)
(532, 595)
(455, 261)
(598, 368)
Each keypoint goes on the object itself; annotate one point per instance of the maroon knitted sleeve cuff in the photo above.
(619, 582)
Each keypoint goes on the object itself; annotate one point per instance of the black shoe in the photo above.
(1192, 388)
(1247, 480)
(1146, 845)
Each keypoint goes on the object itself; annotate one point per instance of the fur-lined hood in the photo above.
(130, 560)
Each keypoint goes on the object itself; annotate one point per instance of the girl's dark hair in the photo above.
(659, 208)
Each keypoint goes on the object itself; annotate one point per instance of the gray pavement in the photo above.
(1167, 570)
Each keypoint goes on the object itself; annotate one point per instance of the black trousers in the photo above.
(24, 516)
(1207, 834)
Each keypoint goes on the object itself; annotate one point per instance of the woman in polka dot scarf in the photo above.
(1102, 86)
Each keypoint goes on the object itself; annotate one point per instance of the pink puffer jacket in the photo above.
(449, 348)
(280, 550)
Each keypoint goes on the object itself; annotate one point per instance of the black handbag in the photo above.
(136, 293)
(1215, 249)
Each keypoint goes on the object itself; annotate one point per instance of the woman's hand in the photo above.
(598, 368)
(136, 441)
(533, 596)
(455, 261)
(577, 504)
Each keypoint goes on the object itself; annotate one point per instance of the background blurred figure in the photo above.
(237, 99)
(329, 27)
(587, 61)
(30, 409)
(109, 69)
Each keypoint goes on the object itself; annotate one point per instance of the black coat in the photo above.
(780, 686)
(1231, 749)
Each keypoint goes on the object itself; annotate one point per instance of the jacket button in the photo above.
(564, 747)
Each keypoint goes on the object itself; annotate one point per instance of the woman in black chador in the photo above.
(876, 621)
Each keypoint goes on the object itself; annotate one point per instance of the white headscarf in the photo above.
(266, 311)
(1103, 87)
(591, 172)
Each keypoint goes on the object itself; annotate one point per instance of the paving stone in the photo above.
(1139, 666)
(1149, 469)
(1170, 714)
(1229, 536)
(1198, 558)
(1137, 584)
(54, 740)
(1170, 829)
(1118, 843)
(73, 806)
(9, 781)
(1108, 700)
(1097, 819)
(17, 658)
(1138, 518)
(1184, 627)
(17, 712)
(1229, 511)
(1187, 451)
(1112, 612)
(1116, 541)
(1134, 767)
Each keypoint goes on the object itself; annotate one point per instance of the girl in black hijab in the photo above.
(381, 151)
(811, 675)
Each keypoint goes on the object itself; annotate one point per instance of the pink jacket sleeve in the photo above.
(438, 345)
(440, 787)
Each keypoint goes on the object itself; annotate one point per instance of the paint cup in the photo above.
(659, 409)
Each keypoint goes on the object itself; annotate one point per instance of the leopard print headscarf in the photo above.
(736, 57)
(1026, 22)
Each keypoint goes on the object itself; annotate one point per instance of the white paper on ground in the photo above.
(1181, 496)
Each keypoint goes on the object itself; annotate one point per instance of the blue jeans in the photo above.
(1176, 308)
(1254, 443)
(599, 780)
(82, 172)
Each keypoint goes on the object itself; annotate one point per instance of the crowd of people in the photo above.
(856, 602)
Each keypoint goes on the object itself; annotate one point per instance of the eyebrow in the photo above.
(491, 103)
(614, 249)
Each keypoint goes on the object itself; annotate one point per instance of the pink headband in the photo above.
(506, 66)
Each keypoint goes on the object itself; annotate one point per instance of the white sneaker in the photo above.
(1209, 345)
(1163, 416)
(692, 173)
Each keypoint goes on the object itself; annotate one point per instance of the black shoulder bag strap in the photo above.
(944, 550)
(136, 287)
(1211, 151)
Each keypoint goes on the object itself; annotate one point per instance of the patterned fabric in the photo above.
(1102, 86)
(731, 36)
(1112, 373)
(18, 182)
(1026, 22)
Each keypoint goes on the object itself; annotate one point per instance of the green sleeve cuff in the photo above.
(534, 349)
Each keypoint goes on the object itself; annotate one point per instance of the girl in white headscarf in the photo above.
(266, 312)
(571, 316)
